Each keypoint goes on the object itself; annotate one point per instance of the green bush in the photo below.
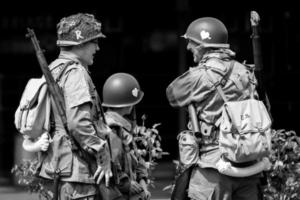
(283, 180)
(25, 173)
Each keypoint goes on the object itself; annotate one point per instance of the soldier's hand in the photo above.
(43, 142)
(147, 194)
(104, 130)
(267, 163)
(135, 188)
(103, 167)
(103, 171)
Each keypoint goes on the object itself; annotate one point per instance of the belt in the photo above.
(240, 165)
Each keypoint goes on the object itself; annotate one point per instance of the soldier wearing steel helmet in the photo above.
(208, 42)
(121, 92)
(78, 36)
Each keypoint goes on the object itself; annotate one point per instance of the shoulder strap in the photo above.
(57, 79)
(217, 83)
(63, 69)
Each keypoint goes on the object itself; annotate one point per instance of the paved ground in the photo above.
(163, 176)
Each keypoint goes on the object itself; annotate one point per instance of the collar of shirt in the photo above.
(67, 55)
(222, 54)
(71, 56)
(117, 119)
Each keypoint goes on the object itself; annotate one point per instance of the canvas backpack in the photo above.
(32, 117)
(33, 113)
(245, 127)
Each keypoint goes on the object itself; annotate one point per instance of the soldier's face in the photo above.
(194, 48)
(89, 51)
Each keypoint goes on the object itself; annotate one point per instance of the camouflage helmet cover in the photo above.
(121, 90)
(77, 29)
(208, 32)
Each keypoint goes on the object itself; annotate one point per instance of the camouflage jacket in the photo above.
(82, 110)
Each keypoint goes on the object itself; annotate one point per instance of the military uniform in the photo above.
(129, 166)
(196, 87)
(82, 106)
(121, 91)
(82, 109)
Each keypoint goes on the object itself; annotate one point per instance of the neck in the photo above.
(121, 111)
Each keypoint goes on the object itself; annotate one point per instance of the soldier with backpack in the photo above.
(74, 153)
(217, 171)
(121, 92)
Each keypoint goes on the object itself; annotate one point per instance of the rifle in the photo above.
(182, 181)
(257, 57)
(58, 98)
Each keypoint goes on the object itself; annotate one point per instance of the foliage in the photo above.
(148, 145)
(25, 173)
(283, 180)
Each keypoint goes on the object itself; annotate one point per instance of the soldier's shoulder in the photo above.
(73, 65)
(216, 64)
(76, 68)
(244, 65)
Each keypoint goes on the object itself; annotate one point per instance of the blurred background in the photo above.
(143, 39)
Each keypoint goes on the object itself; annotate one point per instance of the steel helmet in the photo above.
(77, 29)
(121, 90)
(208, 32)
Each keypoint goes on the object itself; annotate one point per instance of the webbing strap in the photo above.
(217, 83)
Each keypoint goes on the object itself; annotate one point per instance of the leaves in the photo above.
(149, 141)
(148, 145)
(284, 177)
(25, 173)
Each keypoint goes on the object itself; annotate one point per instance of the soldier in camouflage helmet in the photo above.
(78, 41)
(78, 29)
(207, 41)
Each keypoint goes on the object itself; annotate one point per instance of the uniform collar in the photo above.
(114, 118)
(222, 54)
(67, 55)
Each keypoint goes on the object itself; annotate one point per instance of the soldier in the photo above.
(121, 92)
(78, 41)
(207, 40)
